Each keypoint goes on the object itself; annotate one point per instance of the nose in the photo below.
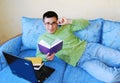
(50, 26)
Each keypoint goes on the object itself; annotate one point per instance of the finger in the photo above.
(50, 58)
(53, 54)
(60, 21)
(47, 54)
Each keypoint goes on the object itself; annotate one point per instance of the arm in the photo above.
(43, 56)
(39, 54)
(77, 24)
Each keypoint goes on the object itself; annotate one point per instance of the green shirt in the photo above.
(73, 47)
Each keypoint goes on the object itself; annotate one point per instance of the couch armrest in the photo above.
(12, 46)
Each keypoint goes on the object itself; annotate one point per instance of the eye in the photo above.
(54, 23)
(47, 23)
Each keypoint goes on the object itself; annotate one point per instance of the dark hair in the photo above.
(50, 14)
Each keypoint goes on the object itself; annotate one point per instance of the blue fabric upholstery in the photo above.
(6, 76)
(98, 31)
(27, 53)
(60, 67)
(111, 34)
(12, 46)
(56, 77)
(32, 28)
(93, 32)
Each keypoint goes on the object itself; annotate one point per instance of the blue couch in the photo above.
(101, 31)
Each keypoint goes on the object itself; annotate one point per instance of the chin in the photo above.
(51, 32)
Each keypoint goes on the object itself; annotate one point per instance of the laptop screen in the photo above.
(21, 67)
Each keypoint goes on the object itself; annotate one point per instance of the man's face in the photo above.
(51, 24)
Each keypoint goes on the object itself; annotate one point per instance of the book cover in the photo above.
(45, 48)
(35, 60)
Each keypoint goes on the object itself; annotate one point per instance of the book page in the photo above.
(57, 41)
(37, 67)
(44, 43)
(45, 48)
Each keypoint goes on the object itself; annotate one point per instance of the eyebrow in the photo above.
(52, 22)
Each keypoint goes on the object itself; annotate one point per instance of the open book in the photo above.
(45, 48)
(36, 61)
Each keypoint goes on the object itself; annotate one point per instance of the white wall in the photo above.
(11, 12)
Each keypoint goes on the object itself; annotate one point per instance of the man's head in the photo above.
(50, 19)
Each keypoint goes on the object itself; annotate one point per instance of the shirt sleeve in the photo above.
(39, 54)
(79, 24)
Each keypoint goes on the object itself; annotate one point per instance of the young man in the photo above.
(77, 52)
(64, 33)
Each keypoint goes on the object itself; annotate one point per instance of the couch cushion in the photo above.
(12, 46)
(32, 28)
(6, 76)
(111, 34)
(60, 67)
(93, 32)
(27, 53)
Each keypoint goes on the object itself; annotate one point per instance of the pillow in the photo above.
(32, 28)
(111, 34)
(93, 32)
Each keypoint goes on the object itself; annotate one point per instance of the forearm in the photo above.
(79, 24)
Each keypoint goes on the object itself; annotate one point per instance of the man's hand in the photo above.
(50, 57)
(64, 21)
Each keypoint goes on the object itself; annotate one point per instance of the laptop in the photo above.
(25, 69)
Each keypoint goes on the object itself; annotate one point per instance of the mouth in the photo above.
(51, 31)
